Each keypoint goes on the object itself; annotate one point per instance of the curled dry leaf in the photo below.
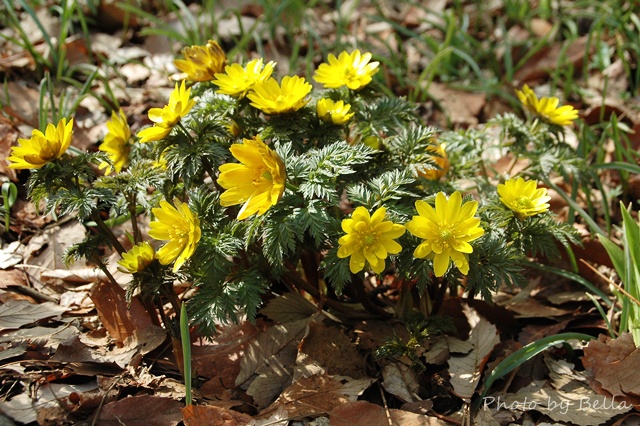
(613, 365)
(466, 370)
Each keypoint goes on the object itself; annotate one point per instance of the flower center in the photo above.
(446, 235)
(179, 232)
(266, 175)
(350, 74)
(370, 239)
(523, 203)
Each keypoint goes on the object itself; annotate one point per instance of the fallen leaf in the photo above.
(121, 318)
(288, 308)
(24, 409)
(195, 415)
(531, 308)
(16, 313)
(269, 344)
(84, 275)
(11, 255)
(461, 108)
(581, 406)
(549, 58)
(273, 376)
(316, 395)
(363, 413)
(613, 365)
(532, 332)
(141, 410)
(442, 346)
(401, 381)
(41, 336)
(330, 348)
(466, 370)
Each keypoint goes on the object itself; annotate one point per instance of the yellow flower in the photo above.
(441, 160)
(369, 239)
(351, 70)
(180, 227)
(446, 231)
(138, 258)
(547, 108)
(168, 116)
(271, 98)
(237, 81)
(116, 142)
(523, 197)
(333, 112)
(258, 181)
(201, 63)
(42, 148)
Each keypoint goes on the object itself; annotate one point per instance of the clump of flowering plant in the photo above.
(252, 184)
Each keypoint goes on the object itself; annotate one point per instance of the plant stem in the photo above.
(98, 261)
(186, 352)
(137, 235)
(107, 232)
(357, 286)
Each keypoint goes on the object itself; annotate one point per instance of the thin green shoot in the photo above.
(9, 197)
(186, 352)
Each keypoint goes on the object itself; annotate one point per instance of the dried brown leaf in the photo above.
(580, 406)
(461, 108)
(121, 319)
(16, 313)
(289, 307)
(363, 413)
(141, 410)
(613, 364)
(466, 370)
(330, 348)
(194, 415)
(268, 344)
(316, 395)
(548, 59)
(401, 381)
(24, 408)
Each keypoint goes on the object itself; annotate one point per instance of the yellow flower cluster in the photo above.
(353, 70)
(180, 227)
(42, 148)
(201, 63)
(138, 258)
(445, 230)
(524, 198)
(369, 239)
(257, 182)
(164, 119)
(116, 142)
(237, 81)
(547, 108)
(333, 112)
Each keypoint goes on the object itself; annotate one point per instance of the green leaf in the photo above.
(524, 354)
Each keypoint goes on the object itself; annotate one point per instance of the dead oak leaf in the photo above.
(319, 394)
(613, 364)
